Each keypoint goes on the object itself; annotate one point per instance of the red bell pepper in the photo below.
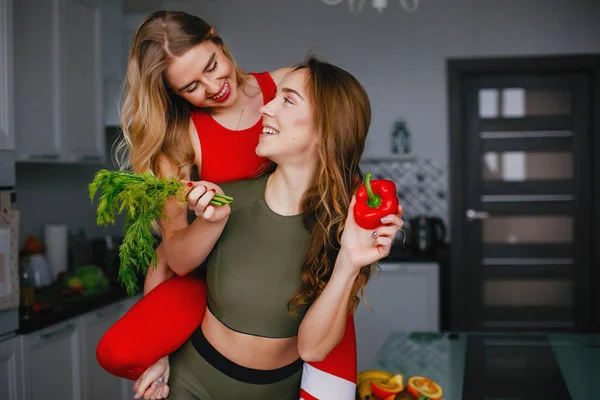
(374, 200)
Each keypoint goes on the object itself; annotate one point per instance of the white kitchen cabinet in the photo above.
(37, 80)
(84, 126)
(61, 360)
(97, 383)
(58, 81)
(114, 59)
(130, 302)
(11, 385)
(51, 363)
(404, 297)
(7, 137)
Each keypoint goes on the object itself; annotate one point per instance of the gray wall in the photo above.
(399, 57)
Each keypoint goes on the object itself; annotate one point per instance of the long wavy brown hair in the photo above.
(155, 120)
(342, 115)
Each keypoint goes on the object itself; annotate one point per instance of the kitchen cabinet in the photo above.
(11, 385)
(58, 81)
(114, 58)
(51, 362)
(7, 137)
(97, 383)
(61, 359)
(404, 297)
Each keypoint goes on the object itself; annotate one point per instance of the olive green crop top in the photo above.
(254, 268)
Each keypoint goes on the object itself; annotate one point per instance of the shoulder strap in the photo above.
(201, 120)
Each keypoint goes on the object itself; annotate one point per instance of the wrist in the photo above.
(199, 221)
(344, 266)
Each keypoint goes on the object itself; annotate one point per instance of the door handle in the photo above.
(473, 215)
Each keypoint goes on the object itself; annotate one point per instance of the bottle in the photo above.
(400, 138)
(26, 290)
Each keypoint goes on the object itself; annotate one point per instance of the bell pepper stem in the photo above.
(374, 199)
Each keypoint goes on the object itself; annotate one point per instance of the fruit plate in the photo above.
(382, 385)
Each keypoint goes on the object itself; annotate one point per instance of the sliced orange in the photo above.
(384, 389)
(421, 386)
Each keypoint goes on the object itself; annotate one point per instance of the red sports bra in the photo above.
(230, 155)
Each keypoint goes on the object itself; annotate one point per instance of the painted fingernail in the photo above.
(213, 190)
(190, 184)
(384, 219)
(374, 234)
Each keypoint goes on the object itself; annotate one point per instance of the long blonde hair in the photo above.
(342, 115)
(155, 120)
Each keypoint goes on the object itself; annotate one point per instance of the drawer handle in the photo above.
(89, 158)
(43, 156)
(386, 267)
(57, 332)
(113, 312)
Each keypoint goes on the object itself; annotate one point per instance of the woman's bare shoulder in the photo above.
(166, 166)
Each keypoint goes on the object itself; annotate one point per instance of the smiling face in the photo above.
(204, 76)
(289, 134)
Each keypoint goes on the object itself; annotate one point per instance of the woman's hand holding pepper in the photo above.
(201, 197)
(363, 247)
(323, 325)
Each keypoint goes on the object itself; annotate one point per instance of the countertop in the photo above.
(62, 308)
(400, 253)
(471, 366)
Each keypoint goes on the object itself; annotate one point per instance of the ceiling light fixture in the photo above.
(357, 6)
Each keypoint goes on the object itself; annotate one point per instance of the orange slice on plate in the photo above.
(383, 390)
(421, 386)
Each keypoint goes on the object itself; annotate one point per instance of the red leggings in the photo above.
(165, 318)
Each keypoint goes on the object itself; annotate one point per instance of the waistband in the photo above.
(238, 372)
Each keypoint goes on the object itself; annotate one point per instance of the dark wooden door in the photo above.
(523, 201)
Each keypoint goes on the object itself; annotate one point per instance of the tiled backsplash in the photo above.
(422, 185)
